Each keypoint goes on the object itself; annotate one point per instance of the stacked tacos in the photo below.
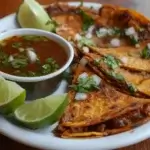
(110, 91)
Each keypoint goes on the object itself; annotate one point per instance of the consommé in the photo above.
(31, 56)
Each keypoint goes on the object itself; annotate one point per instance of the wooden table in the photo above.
(9, 6)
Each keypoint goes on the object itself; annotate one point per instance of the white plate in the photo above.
(45, 139)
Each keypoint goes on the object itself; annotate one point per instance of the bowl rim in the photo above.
(48, 34)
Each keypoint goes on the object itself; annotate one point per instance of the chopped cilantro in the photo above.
(116, 76)
(3, 55)
(85, 42)
(134, 41)
(46, 68)
(19, 63)
(49, 66)
(111, 61)
(31, 74)
(85, 85)
(49, 60)
(34, 38)
(16, 45)
(97, 61)
(53, 24)
(117, 31)
(87, 20)
(145, 53)
(132, 89)
(103, 32)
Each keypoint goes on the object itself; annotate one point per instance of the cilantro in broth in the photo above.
(19, 63)
(16, 44)
(49, 66)
(4, 58)
(34, 38)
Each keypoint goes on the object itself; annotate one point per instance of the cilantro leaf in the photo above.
(19, 63)
(85, 85)
(87, 20)
(97, 61)
(116, 76)
(111, 61)
(134, 41)
(16, 45)
(85, 42)
(132, 89)
(145, 53)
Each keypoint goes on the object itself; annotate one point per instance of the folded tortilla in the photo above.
(129, 57)
(139, 79)
(95, 116)
(116, 125)
(100, 106)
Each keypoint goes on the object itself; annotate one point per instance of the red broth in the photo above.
(31, 56)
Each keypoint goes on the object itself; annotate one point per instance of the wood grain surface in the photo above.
(9, 6)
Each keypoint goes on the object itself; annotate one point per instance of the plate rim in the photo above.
(117, 141)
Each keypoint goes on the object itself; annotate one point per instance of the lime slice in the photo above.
(11, 96)
(32, 15)
(42, 112)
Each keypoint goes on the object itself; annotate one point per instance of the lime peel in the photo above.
(11, 97)
(32, 15)
(42, 112)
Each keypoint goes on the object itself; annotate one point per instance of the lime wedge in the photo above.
(42, 112)
(32, 15)
(11, 96)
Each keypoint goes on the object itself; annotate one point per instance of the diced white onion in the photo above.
(11, 58)
(88, 35)
(21, 49)
(32, 56)
(124, 60)
(85, 49)
(115, 42)
(137, 45)
(148, 45)
(103, 32)
(30, 49)
(83, 61)
(91, 28)
(97, 79)
(135, 36)
(130, 31)
(77, 37)
(83, 76)
(110, 32)
(80, 96)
